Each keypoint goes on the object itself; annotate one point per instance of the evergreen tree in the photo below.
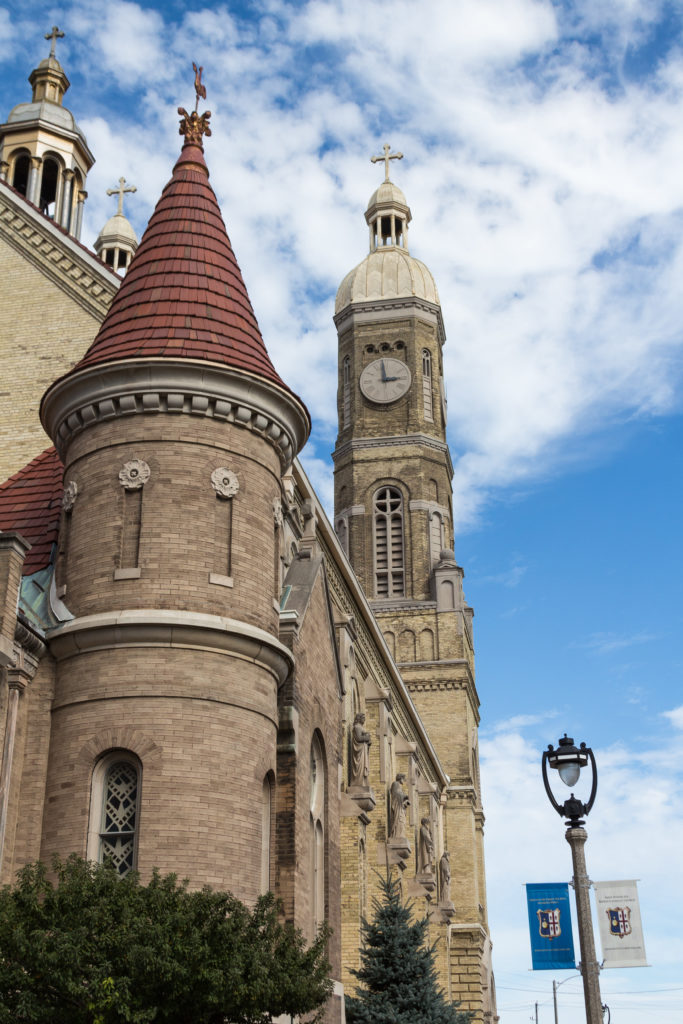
(398, 973)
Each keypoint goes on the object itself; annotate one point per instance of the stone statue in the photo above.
(360, 752)
(398, 806)
(426, 848)
(445, 877)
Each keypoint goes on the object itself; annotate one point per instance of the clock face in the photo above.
(385, 380)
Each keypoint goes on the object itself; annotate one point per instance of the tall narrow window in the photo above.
(114, 810)
(265, 834)
(317, 833)
(226, 485)
(427, 385)
(389, 547)
(346, 391)
(20, 177)
(436, 537)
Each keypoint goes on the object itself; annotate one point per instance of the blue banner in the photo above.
(550, 926)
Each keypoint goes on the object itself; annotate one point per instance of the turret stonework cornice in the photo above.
(106, 391)
(150, 627)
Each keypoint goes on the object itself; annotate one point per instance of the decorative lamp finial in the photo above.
(388, 155)
(193, 126)
(54, 35)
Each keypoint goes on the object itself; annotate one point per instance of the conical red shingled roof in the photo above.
(183, 295)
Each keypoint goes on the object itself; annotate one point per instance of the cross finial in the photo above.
(54, 35)
(388, 155)
(119, 191)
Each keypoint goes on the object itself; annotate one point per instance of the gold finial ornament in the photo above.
(193, 126)
(388, 155)
(54, 35)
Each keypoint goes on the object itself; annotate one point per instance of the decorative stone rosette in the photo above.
(134, 475)
(70, 495)
(225, 482)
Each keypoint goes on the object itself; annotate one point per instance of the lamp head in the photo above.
(568, 760)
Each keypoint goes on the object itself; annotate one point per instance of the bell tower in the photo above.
(43, 153)
(394, 518)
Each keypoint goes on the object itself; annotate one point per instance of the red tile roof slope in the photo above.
(31, 503)
(183, 295)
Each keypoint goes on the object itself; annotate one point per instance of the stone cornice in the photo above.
(106, 391)
(62, 259)
(394, 441)
(151, 627)
(383, 309)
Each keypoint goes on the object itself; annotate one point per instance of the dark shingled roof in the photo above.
(183, 295)
(31, 503)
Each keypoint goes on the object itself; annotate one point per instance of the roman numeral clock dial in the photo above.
(385, 380)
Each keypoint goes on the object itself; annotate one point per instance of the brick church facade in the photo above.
(199, 672)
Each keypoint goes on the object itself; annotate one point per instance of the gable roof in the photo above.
(31, 502)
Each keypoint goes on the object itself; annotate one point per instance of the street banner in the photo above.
(550, 926)
(621, 930)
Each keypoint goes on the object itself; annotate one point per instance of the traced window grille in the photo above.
(119, 816)
(346, 391)
(427, 385)
(132, 523)
(389, 547)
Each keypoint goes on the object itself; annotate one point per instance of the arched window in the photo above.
(317, 806)
(427, 385)
(389, 546)
(114, 811)
(20, 176)
(346, 391)
(48, 186)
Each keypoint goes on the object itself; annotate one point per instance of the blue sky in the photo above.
(543, 151)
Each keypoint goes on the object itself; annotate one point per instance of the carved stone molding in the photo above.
(70, 495)
(363, 796)
(225, 482)
(147, 627)
(183, 387)
(134, 475)
(278, 517)
(69, 265)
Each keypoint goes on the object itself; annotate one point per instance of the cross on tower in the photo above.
(54, 35)
(119, 191)
(387, 157)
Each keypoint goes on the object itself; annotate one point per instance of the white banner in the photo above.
(621, 930)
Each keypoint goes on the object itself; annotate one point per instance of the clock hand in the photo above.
(384, 372)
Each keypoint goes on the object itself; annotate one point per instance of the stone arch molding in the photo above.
(122, 738)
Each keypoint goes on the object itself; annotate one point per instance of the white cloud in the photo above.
(675, 716)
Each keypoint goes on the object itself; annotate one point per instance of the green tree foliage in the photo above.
(94, 948)
(398, 973)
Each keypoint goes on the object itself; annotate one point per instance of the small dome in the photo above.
(44, 110)
(117, 229)
(387, 194)
(388, 273)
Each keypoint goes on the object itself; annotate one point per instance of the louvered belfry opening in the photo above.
(389, 547)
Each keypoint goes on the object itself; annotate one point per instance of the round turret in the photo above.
(117, 242)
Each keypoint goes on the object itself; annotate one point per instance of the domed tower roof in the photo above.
(388, 271)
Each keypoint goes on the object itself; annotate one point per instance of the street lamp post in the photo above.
(568, 761)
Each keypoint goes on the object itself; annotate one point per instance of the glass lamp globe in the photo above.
(569, 772)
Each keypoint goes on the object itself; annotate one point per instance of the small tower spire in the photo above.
(117, 242)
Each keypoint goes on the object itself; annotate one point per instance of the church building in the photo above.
(199, 672)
